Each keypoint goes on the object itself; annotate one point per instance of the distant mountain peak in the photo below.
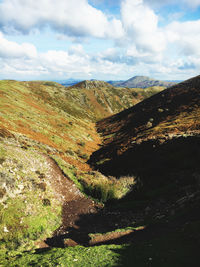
(141, 77)
(142, 82)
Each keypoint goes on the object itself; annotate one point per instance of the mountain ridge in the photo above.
(91, 84)
(176, 101)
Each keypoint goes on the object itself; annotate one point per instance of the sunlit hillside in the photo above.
(47, 134)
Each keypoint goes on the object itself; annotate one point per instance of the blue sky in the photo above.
(99, 39)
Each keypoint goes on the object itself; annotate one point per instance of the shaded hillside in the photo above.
(171, 113)
(158, 141)
(142, 82)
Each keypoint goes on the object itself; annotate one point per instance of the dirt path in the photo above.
(74, 202)
(86, 223)
(81, 216)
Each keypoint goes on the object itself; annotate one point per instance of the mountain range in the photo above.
(134, 82)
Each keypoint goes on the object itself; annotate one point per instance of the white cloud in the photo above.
(141, 45)
(193, 3)
(77, 49)
(141, 25)
(188, 3)
(21, 68)
(22, 60)
(152, 46)
(14, 50)
(110, 55)
(112, 63)
(71, 17)
(185, 36)
(63, 62)
(145, 57)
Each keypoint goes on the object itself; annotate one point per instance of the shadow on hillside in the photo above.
(169, 249)
(159, 244)
(169, 166)
(101, 222)
(169, 171)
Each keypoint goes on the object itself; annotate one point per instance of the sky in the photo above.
(99, 39)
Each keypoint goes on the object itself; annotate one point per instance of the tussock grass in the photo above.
(107, 188)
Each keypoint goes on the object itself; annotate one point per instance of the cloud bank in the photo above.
(72, 17)
(140, 44)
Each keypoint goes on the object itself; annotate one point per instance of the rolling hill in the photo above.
(100, 99)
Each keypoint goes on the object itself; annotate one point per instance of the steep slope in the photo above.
(142, 82)
(171, 113)
(157, 141)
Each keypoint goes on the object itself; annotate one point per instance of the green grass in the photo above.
(103, 188)
(2, 153)
(169, 249)
(24, 217)
(26, 221)
(71, 257)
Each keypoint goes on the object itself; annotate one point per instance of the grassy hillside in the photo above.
(37, 128)
(100, 99)
(47, 134)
